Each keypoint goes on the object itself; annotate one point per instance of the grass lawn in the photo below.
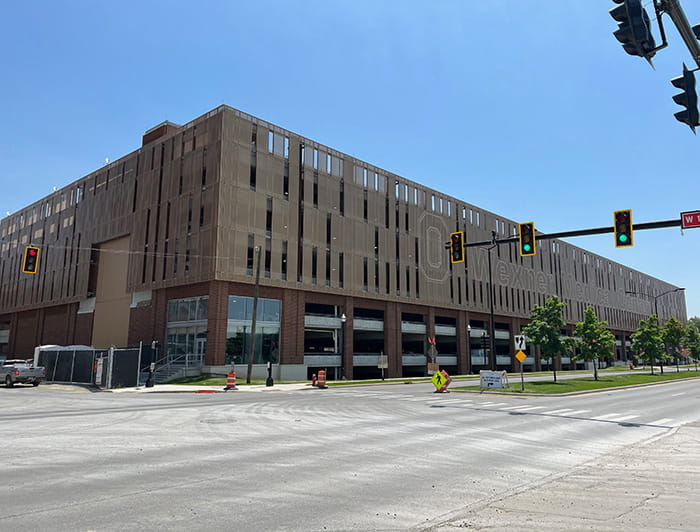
(220, 381)
(588, 383)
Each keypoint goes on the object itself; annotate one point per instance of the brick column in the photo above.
(348, 337)
(216, 323)
(292, 327)
(463, 356)
(392, 339)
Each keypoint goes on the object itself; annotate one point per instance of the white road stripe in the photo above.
(560, 411)
(626, 418)
(616, 416)
(662, 421)
(608, 416)
(677, 394)
(577, 412)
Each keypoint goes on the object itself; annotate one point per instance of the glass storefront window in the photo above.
(202, 308)
(266, 344)
(240, 313)
(183, 338)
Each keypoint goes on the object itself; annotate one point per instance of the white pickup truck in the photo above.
(22, 371)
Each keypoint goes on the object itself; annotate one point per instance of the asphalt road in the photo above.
(385, 457)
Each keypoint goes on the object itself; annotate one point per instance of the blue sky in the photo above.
(531, 110)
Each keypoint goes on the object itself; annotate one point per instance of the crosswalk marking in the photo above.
(662, 421)
(625, 418)
(608, 416)
(577, 412)
(560, 411)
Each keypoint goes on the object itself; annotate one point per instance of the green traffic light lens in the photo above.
(622, 238)
(527, 247)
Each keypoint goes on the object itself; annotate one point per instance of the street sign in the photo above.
(519, 340)
(493, 379)
(520, 356)
(690, 219)
(441, 380)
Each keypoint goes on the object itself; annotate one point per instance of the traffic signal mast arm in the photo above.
(675, 11)
(580, 232)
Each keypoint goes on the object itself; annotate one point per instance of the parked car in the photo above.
(22, 371)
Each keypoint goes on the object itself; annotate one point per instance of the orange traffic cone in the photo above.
(231, 381)
(322, 379)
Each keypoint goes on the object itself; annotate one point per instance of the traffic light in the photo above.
(457, 247)
(634, 28)
(31, 259)
(526, 232)
(688, 98)
(623, 228)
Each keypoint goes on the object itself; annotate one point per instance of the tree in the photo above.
(545, 327)
(648, 340)
(593, 339)
(673, 334)
(695, 320)
(692, 341)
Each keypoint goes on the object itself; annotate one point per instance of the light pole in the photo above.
(656, 298)
(656, 313)
(343, 319)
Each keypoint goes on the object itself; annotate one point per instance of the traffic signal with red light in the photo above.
(688, 98)
(457, 247)
(526, 232)
(634, 28)
(623, 228)
(31, 259)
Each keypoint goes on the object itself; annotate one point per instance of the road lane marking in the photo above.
(626, 418)
(616, 416)
(677, 394)
(662, 421)
(560, 411)
(608, 416)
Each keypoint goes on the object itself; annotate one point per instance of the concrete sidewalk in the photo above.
(187, 388)
(651, 486)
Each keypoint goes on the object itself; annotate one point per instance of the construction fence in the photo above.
(106, 368)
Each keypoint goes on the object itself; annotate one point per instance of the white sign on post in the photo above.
(519, 342)
(493, 379)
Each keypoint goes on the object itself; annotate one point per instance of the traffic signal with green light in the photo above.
(457, 247)
(688, 98)
(526, 232)
(623, 228)
(31, 259)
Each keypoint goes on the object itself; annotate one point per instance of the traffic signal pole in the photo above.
(492, 322)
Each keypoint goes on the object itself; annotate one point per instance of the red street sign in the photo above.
(690, 219)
